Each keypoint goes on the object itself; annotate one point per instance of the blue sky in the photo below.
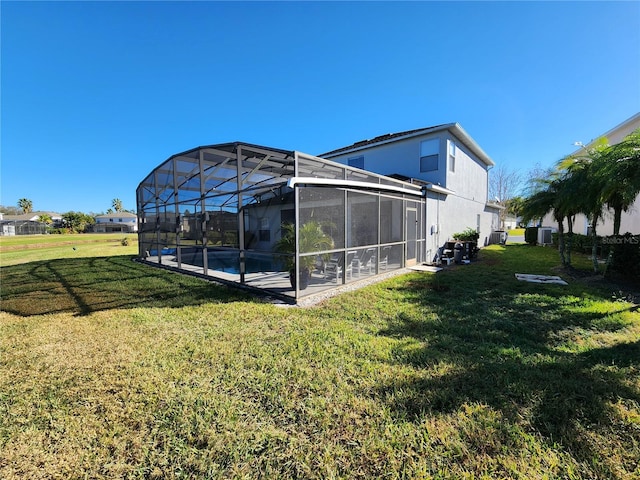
(96, 94)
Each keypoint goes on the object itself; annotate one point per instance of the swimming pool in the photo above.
(229, 261)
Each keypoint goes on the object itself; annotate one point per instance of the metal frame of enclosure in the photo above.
(225, 211)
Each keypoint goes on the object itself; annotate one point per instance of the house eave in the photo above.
(332, 182)
(497, 206)
(455, 128)
(438, 189)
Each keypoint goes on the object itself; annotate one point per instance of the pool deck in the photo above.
(276, 283)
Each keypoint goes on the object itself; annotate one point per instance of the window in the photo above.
(357, 162)
(120, 220)
(429, 155)
(264, 235)
(452, 157)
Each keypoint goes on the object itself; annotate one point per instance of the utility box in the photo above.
(544, 236)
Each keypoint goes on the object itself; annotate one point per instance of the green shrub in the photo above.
(531, 235)
(626, 254)
(583, 243)
(468, 235)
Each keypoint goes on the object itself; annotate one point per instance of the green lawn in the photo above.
(27, 241)
(29, 248)
(111, 369)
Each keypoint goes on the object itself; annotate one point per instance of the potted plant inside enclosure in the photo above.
(312, 239)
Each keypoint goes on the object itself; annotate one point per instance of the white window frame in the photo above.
(452, 156)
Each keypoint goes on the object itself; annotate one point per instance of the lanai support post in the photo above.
(158, 247)
(205, 215)
(177, 209)
(240, 214)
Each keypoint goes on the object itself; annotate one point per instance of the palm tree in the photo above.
(619, 171)
(116, 203)
(26, 205)
(598, 176)
(569, 204)
(45, 218)
(548, 197)
(585, 185)
(514, 205)
(620, 168)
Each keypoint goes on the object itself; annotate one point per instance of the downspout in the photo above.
(425, 227)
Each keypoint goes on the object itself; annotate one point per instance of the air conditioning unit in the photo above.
(544, 236)
(498, 236)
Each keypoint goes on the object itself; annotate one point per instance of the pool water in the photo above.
(229, 262)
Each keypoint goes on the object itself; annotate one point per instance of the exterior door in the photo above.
(412, 236)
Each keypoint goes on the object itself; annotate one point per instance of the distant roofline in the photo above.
(116, 215)
(27, 216)
(455, 128)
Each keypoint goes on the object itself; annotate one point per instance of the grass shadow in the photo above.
(85, 285)
(523, 350)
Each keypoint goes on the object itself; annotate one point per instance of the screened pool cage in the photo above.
(283, 222)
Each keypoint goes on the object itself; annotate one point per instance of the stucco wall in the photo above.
(401, 157)
(469, 180)
(450, 213)
(629, 222)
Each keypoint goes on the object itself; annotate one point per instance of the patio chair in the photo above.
(366, 262)
(335, 269)
(384, 258)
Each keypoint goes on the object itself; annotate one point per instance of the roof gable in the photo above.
(24, 217)
(117, 215)
(454, 128)
(380, 139)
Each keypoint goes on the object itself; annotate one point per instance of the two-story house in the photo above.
(447, 162)
(295, 224)
(123, 222)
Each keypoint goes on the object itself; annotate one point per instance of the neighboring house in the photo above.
(511, 221)
(27, 223)
(122, 222)
(630, 221)
(448, 163)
